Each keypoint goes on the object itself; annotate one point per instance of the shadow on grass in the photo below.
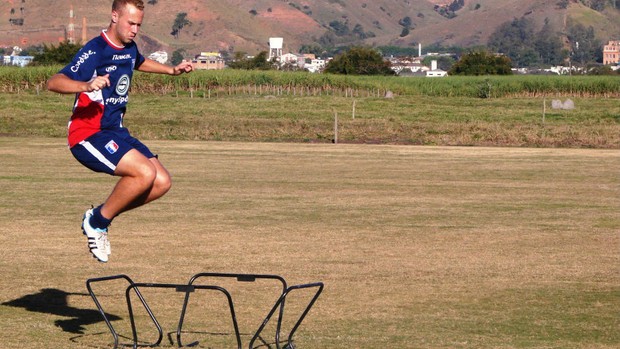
(54, 301)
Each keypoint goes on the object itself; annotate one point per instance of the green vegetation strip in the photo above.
(229, 81)
(275, 116)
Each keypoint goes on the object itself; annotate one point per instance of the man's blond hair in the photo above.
(117, 5)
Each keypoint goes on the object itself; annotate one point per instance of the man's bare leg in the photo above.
(142, 181)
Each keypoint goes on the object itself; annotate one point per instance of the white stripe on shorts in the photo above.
(96, 153)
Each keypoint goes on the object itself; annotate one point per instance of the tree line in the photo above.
(526, 47)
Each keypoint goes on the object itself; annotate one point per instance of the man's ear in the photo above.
(114, 16)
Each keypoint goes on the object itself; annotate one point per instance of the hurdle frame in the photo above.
(191, 287)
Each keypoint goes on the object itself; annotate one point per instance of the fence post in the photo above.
(335, 127)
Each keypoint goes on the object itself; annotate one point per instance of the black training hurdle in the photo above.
(193, 286)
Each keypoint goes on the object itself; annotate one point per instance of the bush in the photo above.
(482, 63)
(259, 62)
(63, 54)
(359, 61)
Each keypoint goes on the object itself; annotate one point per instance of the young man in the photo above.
(100, 76)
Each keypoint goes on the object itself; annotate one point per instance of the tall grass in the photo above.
(16, 79)
(201, 80)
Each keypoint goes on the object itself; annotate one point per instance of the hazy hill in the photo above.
(246, 25)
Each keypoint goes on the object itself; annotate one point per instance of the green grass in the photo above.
(419, 247)
(595, 123)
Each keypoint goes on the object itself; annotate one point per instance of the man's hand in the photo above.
(183, 67)
(98, 83)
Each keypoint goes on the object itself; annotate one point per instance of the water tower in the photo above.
(275, 48)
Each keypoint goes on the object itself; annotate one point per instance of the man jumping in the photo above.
(100, 76)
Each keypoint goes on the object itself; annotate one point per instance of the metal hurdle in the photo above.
(191, 287)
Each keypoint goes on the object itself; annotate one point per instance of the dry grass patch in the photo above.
(419, 247)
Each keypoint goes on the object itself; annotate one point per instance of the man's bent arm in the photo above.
(151, 66)
(63, 84)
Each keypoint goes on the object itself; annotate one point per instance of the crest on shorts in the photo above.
(111, 147)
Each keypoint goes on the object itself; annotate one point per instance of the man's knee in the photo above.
(163, 182)
(138, 168)
(147, 173)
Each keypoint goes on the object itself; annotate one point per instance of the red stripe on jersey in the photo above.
(104, 34)
(86, 119)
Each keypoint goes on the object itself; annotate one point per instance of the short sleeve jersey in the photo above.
(104, 109)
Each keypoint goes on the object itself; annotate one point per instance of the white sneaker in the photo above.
(97, 238)
(107, 248)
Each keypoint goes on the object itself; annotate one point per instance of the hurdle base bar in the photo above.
(191, 287)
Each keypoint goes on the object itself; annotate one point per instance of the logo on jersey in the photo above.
(111, 147)
(81, 60)
(120, 57)
(116, 100)
(111, 68)
(122, 87)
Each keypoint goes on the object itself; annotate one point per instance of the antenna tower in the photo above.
(71, 29)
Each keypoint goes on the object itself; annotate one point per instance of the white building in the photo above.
(159, 56)
(15, 59)
(409, 68)
(435, 72)
(20, 61)
(292, 58)
(316, 65)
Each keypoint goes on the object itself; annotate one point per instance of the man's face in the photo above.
(128, 22)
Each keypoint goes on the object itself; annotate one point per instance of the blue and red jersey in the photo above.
(104, 109)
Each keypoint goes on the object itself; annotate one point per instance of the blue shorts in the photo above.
(103, 151)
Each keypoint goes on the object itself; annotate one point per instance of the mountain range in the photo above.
(238, 25)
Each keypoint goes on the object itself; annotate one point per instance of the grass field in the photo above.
(419, 120)
(419, 247)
